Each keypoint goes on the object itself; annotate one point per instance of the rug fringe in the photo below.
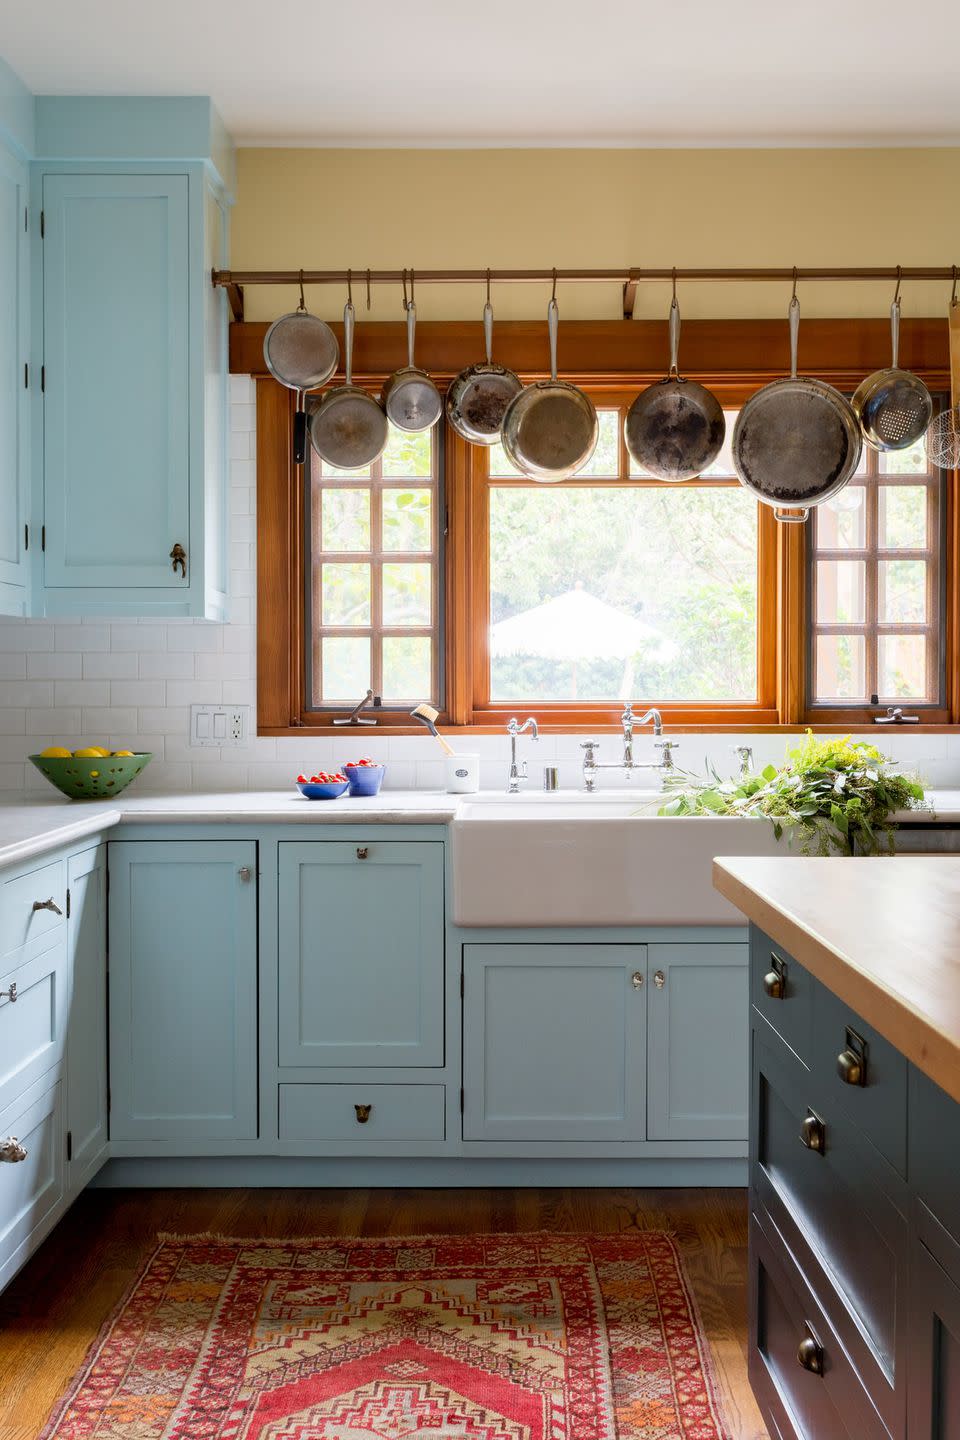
(214, 1237)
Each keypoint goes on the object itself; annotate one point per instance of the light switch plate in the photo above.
(221, 725)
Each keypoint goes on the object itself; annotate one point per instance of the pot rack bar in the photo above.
(233, 281)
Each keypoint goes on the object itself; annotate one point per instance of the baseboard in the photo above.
(265, 1172)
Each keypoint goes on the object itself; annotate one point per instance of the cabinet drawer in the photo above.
(20, 922)
(877, 1102)
(842, 1207)
(32, 1024)
(29, 1188)
(333, 1112)
(805, 1405)
(782, 991)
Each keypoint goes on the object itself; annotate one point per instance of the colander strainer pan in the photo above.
(893, 406)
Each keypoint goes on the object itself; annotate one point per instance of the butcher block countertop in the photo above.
(882, 933)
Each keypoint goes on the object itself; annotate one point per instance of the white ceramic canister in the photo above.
(463, 774)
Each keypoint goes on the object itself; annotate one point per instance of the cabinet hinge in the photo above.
(26, 376)
(461, 984)
(461, 1099)
(68, 904)
(26, 537)
(43, 537)
(69, 1145)
(43, 379)
(26, 218)
(43, 225)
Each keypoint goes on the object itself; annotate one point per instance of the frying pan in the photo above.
(479, 395)
(301, 351)
(550, 429)
(410, 398)
(894, 407)
(348, 428)
(796, 442)
(674, 429)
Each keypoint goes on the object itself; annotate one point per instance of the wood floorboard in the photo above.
(55, 1307)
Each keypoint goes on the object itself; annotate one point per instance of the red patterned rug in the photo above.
(478, 1337)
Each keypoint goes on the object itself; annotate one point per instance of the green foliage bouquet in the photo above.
(831, 794)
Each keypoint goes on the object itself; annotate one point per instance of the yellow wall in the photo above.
(597, 208)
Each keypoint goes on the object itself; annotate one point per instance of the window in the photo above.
(875, 605)
(374, 602)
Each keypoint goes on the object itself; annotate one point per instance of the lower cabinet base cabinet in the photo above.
(31, 1172)
(183, 990)
(934, 1389)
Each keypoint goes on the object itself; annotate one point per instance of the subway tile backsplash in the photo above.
(131, 684)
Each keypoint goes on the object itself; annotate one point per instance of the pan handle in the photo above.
(348, 320)
(488, 330)
(895, 332)
(553, 325)
(299, 432)
(791, 517)
(794, 335)
(411, 331)
(674, 326)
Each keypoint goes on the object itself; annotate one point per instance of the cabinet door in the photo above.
(698, 1025)
(553, 1042)
(31, 1186)
(117, 361)
(14, 354)
(361, 953)
(183, 973)
(86, 1070)
(934, 1385)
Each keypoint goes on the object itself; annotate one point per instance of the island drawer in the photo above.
(32, 1019)
(874, 1091)
(782, 991)
(33, 905)
(934, 1150)
(362, 1112)
(799, 1370)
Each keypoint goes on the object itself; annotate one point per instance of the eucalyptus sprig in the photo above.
(832, 795)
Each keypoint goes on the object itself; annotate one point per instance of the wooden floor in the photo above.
(56, 1305)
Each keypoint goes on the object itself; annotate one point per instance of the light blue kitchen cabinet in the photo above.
(86, 1054)
(183, 982)
(361, 948)
(698, 1042)
(31, 1172)
(14, 383)
(554, 1042)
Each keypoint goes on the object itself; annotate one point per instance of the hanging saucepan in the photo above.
(674, 429)
(894, 407)
(348, 429)
(796, 442)
(550, 430)
(410, 398)
(301, 351)
(479, 395)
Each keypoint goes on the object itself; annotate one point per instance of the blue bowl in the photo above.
(326, 790)
(364, 779)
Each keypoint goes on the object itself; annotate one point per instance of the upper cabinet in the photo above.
(113, 357)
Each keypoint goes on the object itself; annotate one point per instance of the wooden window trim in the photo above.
(612, 358)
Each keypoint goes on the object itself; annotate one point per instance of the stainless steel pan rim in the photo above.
(301, 352)
(348, 429)
(478, 397)
(675, 428)
(550, 430)
(410, 398)
(893, 406)
(796, 442)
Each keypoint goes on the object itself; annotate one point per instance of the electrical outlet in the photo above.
(221, 725)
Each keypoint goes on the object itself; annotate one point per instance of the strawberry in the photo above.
(301, 779)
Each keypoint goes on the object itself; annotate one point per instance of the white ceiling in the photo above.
(515, 72)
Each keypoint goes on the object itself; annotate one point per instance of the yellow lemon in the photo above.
(55, 752)
(88, 754)
(100, 750)
(123, 752)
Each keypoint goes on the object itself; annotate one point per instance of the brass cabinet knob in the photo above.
(813, 1132)
(11, 1151)
(852, 1060)
(810, 1353)
(10, 994)
(363, 1113)
(50, 904)
(659, 979)
(362, 852)
(775, 980)
(179, 558)
(636, 979)
(244, 872)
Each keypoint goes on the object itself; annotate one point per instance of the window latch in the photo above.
(894, 715)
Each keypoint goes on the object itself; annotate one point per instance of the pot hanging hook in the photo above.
(896, 293)
(303, 303)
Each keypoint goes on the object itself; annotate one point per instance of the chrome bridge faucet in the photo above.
(627, 764)
(519, 774)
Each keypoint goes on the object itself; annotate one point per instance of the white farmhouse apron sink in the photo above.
(600, 859)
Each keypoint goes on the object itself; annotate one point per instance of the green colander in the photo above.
(95, 778)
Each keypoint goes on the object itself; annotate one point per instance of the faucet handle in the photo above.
(589, 746)
(666, 747)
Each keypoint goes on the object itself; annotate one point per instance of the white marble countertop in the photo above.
(29, 825)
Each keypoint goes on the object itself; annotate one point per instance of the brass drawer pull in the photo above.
(363, 1113)
(810, 1355)
(775, 980)
(852, 1060)
(813, 1132)
(50, 904)
(11, 1150)
(362, 852)
(10, 994)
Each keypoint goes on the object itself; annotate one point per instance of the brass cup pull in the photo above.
(362, 852)
(10, 994)
(50, 904)
(810, 1353)
(11, 1151)
(363, 1113)
(636, 979)
(852, 1060)
(775, 980)
(813, 1132)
